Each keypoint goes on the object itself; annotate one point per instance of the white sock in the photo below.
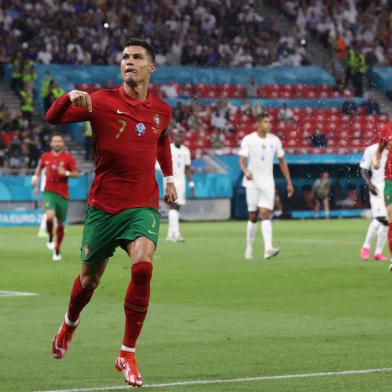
(127, 349)
(42, 226)
(382, 233)
(371, 233)
(250, 234)
(69, 322)
(174, 222)
(266, 229)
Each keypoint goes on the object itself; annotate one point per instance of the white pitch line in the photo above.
(4, 293)
(231, 380)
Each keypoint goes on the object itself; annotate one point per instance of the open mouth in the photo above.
(130, 71)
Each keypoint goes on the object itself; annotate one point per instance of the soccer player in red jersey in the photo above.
(130, 133)
(385, 141)
(59, 166)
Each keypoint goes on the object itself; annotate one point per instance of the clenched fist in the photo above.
(81, 99)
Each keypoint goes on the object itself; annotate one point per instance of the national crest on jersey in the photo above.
(140, 129)
(156, 119)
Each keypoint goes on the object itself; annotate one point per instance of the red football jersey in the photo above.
(386, 139)
(128, 138)
(56, 182)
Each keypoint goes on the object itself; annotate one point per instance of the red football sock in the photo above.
(80, 297)
(59, 235)
(136, 303)
(49, 228)
(390, 237)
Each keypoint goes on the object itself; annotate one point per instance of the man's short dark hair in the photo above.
(261, 116)
(56, 133)
(146, 45)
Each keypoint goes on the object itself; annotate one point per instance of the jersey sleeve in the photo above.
(64, 111)
(41, 162)
(244, 149)
(279, 148)
(71, 163)
(366, 161)
(164, 155)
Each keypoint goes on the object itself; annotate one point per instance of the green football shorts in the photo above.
(388, 192)
(103, 232)
(53, 201)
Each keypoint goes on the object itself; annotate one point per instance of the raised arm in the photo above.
(75, 106)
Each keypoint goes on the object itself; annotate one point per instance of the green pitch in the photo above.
(316, 308)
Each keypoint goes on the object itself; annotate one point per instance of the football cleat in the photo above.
(248, 254)
(179, 238)
(62, 339)
(42, 234)
(127, 364)
(380, 257)
(271, 253)
(390, 266)
(50, 245)
(365, 253)
(170, 238)
(56, 255)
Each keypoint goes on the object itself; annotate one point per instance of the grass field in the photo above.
(316, 308)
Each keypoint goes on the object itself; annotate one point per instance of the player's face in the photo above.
(264, 125)
(136, 65)
(57, 143)
(178, 139)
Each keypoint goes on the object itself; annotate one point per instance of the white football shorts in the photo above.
(377, 203)
(260, 198)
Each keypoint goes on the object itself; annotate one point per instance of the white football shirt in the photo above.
(181, 157)
(260, 153)
(377, 175)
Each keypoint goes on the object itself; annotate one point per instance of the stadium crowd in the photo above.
(362, 25)
(205, 33)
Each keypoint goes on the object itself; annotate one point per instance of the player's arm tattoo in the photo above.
(123, 124)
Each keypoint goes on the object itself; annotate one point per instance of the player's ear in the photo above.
(153, 67)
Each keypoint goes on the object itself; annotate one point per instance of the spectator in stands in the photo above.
(285, 114)
(216, 139)
(251, 88)
(14, 153)
(17, 72)
(257, 109)
(176, 26)
(88, 140)
(371, 107)
(219, 121)
(54, 92)
(245, 108)
(27, 104)
(318, 139)
(179, 113)
(320, 192)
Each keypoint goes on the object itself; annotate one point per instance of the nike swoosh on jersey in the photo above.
(120, 112)
(151, 232)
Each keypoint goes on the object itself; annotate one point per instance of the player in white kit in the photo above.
(181, 158)
(42, 232)
(375, 183)
(257, 153)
